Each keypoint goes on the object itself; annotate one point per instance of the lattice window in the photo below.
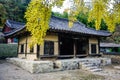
(49, 48)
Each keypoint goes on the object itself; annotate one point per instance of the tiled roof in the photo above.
(13, 31)
(14, 24)
(61, 25)
(109, 45)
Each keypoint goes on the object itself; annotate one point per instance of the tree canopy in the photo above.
(39, 12)
(12, 9)
(82, 18)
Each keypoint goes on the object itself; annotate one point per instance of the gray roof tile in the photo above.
(61, 25)
(109, 45)
(78, 27)
(14, 24)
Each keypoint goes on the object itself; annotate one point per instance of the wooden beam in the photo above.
(38, 51)
(66, 55)
(82, 55)
(18, 47)
(74, 48)
(59, 37)
(98, 45)
(26, 46)
(62, 56)
(87, 46)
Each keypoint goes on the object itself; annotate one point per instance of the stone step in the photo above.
(96, 70)
(87, 65)
(85, 62)
(92, 67)
(55, 70)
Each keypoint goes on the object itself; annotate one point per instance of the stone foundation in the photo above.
(58, 65)
(69, 64)
(115, 59)
(33, 66)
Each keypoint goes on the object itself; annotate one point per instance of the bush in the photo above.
(8, 50)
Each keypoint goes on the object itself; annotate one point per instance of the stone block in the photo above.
(69, 64)
(33, 66)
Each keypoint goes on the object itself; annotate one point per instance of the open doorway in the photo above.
(66, 46)
(81, 46)
(73, 46)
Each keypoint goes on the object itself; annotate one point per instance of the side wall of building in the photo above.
(53, 37)
(26, 40)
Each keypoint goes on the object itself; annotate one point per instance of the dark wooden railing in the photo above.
(62, 56)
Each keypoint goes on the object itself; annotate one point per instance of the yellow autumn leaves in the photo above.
(102, 10)
(37, 16)
(39, 12)
(96, 13)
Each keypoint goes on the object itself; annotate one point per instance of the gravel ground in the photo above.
(110, 72)
(11, 72)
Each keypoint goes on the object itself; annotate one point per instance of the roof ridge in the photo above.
(79, 23)
(13, 24)
(68, 20)
(52, 16)
(7, 23)
(61, 25)
(15, 21)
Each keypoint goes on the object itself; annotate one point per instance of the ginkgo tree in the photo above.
(38, 15)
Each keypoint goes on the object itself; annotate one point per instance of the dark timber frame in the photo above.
(26, 45)
(71, 40)
(74, 37)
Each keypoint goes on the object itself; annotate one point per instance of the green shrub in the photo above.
(119, 49)
(8, 50)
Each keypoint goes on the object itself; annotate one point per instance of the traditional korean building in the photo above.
(110, 48)
(9, 27)
(60, 41)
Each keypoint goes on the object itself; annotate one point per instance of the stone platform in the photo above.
(58, 65)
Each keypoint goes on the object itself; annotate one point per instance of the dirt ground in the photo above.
(9, 71)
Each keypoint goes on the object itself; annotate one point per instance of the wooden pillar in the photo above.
(59, 44)
(74, 48)
(26, 46)
(18, 47)
(88, 46)
(38, 51)
(98, 45)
